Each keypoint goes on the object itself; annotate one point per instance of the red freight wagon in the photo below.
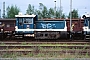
(76, 28)
(7, 27)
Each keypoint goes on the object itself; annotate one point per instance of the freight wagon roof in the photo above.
(8, 19)
(25, 15)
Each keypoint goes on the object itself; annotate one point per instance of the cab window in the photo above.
(28, 20)
(20, 21)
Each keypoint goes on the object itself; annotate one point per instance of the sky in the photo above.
(81, 5)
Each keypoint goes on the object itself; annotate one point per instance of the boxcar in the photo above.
(77, 28)
(7, 27)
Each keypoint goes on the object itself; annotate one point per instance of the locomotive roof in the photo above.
(25, 15)
(22, 15)
(45, 19)
(87, 14)
(60, 19)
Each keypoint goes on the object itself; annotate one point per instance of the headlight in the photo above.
(85, 28)
(1, 30)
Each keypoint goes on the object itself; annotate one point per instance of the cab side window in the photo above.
(20, 21)
(28, 20)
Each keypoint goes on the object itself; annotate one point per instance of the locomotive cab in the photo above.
(24, 25)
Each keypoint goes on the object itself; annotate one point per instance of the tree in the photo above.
(51, 13)
(60, 13)
(63, 16)
(37, 12)
(12, 11)
(74, 14)
(30, 9)
(43, 11)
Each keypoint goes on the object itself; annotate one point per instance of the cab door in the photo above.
(20, 23)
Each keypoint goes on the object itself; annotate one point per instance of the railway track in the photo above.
(12, 42)
(45, 49)
(41, 40)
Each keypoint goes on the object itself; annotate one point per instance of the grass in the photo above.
(39, 48)
(87, 55)
(2, 43)
(30, 54)
(43, 55)
(53, 47)
(9, 55)
(68, 59)
(84, 47)
(24, 43)
(45, 44)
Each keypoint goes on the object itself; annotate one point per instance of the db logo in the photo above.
(47, 26)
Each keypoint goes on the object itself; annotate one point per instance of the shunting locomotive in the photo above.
(30, 25)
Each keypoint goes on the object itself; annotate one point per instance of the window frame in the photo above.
(29, 21)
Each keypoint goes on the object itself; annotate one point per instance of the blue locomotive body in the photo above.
(52, 29)
(50, 24)
(87, 24)
(86, 27)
